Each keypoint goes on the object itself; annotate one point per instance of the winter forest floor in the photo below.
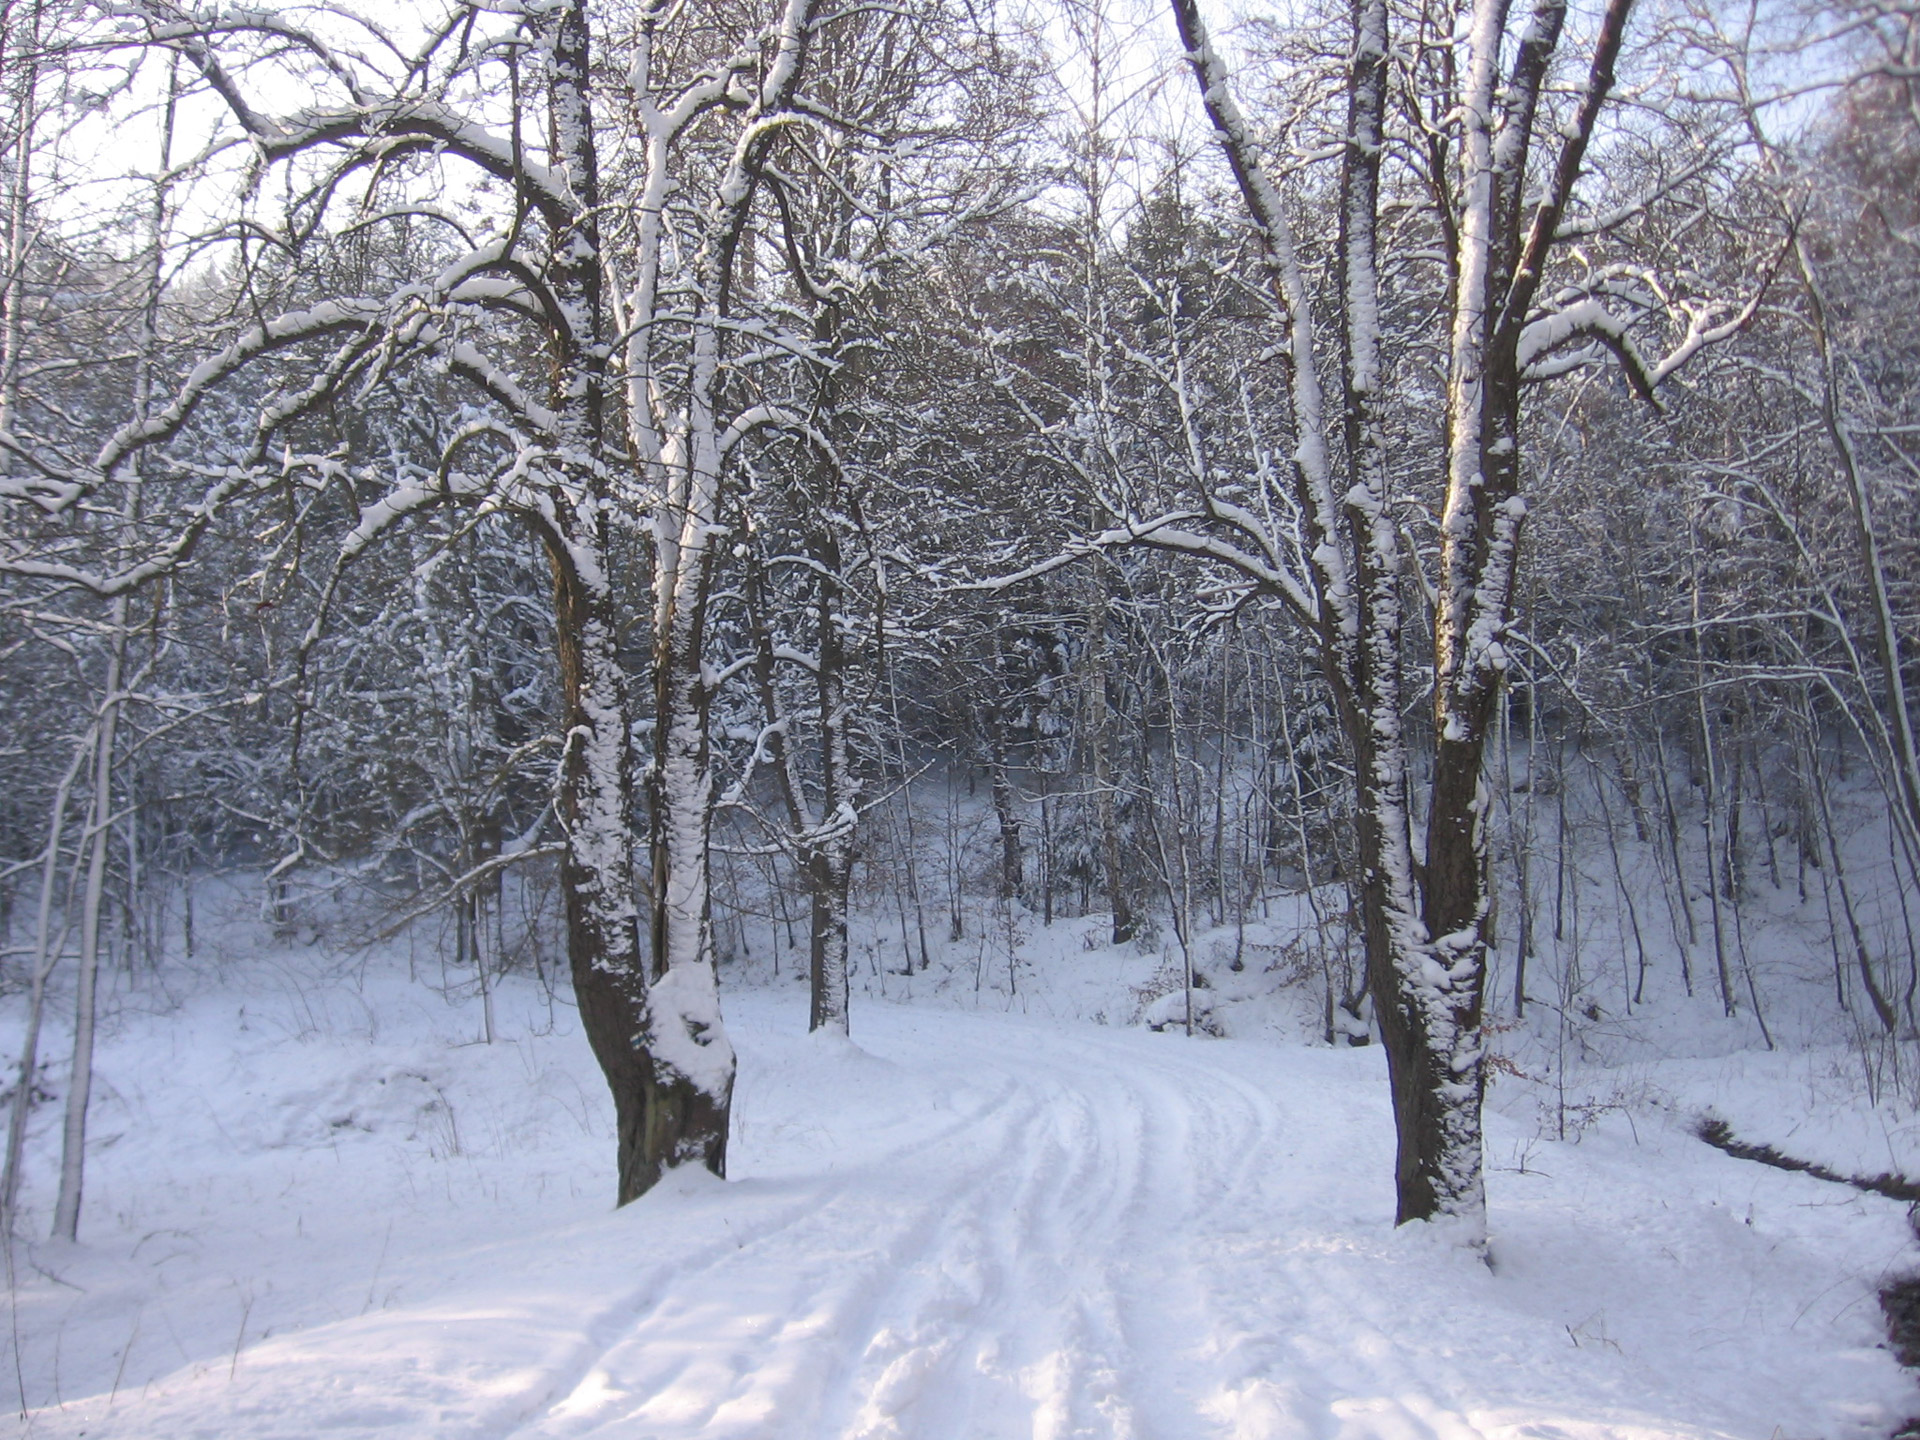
(316, 1205)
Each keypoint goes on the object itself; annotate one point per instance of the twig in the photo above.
(374, 1283)
(240, 1335)
(127, 1349)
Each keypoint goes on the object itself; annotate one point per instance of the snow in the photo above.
(317, 1207)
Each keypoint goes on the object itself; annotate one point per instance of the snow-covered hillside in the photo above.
(318, 1206)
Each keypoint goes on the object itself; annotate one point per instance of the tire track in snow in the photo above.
(1306, 1347)
(1018, 1358)
(1078, 1248)
(725, 1350)
(1015, 1230)
(1096, 1324)
(1030, 1273)
(1201, 1133)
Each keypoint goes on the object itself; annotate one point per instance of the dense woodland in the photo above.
(580, 473)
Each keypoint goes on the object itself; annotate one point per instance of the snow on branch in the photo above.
(1589, 319)
(1578, 134)
(418, 123)
(163, 561)
(1265, 204)
(330, 317)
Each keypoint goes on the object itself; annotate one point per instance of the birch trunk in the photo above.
(66, 1212)
(66, 1218)
(46, 954)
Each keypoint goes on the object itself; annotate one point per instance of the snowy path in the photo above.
(981, 1227)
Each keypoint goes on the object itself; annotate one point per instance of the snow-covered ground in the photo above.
(317, 1206)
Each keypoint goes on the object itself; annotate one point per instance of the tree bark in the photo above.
(654, 1025)
(1424, 919)
(830, 859)
(73, 1148)
(1100, 741)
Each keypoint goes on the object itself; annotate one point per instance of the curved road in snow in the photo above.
(979, 1227)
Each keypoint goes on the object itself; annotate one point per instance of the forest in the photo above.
(1383, 529)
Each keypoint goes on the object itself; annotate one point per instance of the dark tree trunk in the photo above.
(1000, 783)
(829, 873)
(829, 863)
(596, 870)
(669, 1067)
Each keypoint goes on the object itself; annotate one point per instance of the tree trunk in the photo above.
(596, 871)
(1000, 784)
(25, 61)
(66, 1213)
(691, 1078)
(46, 954)
(1100, 739)
(830, 860)
(654, 1025)
(829, 873)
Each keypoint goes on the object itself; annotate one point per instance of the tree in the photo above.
(529, 292)
(1454, 120)
(924, 152)
(619, 304)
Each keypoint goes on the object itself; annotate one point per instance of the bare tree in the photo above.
(1499, 156)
